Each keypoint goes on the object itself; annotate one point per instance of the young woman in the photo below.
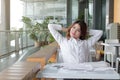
(75, 47)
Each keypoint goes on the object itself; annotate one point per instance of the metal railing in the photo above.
(11, 41)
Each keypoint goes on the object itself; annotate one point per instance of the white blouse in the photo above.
(72, 50)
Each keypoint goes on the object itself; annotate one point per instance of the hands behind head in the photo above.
(64, 29)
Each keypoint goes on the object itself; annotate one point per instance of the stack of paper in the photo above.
(87, 66)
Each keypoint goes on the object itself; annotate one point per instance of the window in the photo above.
(16, 13)
(0, 11)
(90, 15)
(39, 10)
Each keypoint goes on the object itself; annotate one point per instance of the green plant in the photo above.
(36, 31)
(81, 16)
(51, 39)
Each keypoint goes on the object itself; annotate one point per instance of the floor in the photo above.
(16, 56)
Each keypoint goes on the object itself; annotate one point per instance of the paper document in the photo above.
(87, 66)
(78, 66)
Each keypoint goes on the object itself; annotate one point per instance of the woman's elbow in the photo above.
(101, 32)
(49, 26)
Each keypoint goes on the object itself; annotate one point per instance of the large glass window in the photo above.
(40, 9)
(90, 14)
(74, 10)
(16, 13)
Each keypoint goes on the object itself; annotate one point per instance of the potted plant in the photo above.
(36, 31)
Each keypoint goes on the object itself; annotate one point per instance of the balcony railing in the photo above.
(11, 41)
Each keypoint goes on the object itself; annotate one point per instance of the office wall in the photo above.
(117, 11)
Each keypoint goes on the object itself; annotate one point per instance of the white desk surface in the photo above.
(53, 72)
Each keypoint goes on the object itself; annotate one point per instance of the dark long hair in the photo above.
(83, 30)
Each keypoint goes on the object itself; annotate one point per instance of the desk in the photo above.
(50, 71)
(116, 45)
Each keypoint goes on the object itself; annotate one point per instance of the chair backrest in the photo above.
(110, 48)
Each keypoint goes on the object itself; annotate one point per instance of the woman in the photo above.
(75, 47)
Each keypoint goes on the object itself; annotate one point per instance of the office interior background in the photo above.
(98, 14)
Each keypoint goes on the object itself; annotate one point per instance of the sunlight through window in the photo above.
(16, 13)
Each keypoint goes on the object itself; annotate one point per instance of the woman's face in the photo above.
(75, 31)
